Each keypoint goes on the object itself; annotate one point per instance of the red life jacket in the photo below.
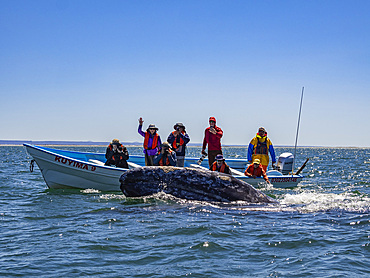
(221, 170)
(255, 171)
(154, 142)
(175, 143)
(161, 162)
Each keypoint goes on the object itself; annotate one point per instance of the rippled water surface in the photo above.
(319, 229)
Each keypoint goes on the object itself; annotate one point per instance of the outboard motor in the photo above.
(285, 163)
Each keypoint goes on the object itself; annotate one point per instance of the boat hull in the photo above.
(60, 171)
(284, 181)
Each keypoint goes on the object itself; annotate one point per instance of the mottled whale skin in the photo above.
(189, 183)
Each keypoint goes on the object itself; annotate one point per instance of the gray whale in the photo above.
(189, 183)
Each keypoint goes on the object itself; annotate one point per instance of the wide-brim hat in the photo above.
(178, 125)
(151, 126)
(220, 157)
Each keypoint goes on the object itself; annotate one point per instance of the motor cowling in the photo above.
(285, 163)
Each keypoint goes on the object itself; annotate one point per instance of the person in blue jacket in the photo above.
(178, 140)
(166, 157)
(260, 147)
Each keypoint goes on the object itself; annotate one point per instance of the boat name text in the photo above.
(75, 163)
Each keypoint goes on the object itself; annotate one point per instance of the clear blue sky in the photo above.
(87, 70)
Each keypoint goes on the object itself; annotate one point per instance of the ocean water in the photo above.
(319, 229)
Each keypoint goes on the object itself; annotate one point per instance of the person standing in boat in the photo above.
(167, 157)
(220, 165)
(152, 142)
(259, 147)
(256, 170)
(212, 137)
(116, 154)
(178, 140)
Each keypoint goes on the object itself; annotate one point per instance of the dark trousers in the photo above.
(149, 160)
(212, 156)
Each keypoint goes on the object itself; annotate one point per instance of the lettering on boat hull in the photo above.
(74, 163)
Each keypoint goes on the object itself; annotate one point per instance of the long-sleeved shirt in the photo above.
(213, 140)
(263, 157)
(258, 172)
(180, 151)
(150, 142)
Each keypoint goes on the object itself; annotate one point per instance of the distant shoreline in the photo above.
(10, 143)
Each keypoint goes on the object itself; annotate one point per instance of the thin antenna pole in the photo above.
(296, 136)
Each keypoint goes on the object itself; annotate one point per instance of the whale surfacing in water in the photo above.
(189, 183)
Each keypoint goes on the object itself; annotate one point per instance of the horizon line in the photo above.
(98, 143)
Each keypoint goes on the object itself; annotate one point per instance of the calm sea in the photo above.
(319, 229)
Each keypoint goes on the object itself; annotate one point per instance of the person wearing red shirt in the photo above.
(212, 137)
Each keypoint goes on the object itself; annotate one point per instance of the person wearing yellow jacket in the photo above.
(259, 147)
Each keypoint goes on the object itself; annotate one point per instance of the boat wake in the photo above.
(304, 202)
(308, 202)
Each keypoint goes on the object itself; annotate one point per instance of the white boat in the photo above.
(276, 178)
(84, 170)
(68, 169)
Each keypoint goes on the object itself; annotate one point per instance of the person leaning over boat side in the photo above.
(152, 142)
(116, 154)
(259, 147)
(256, 170)
(178, 140)
(220, 165)
(167, 157)
(212, 137)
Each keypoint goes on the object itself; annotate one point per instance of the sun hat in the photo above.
(178, 125)
(256, 161)
(151, 126)
(219, 157)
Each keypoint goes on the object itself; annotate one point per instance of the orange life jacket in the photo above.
(154, 142)
(221, 170)
(175, 145)
(258, 172)
(161, 161)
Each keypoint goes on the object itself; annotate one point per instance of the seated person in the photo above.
(220, 165)
(166, 157)
(116, 155)
(256, 170)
